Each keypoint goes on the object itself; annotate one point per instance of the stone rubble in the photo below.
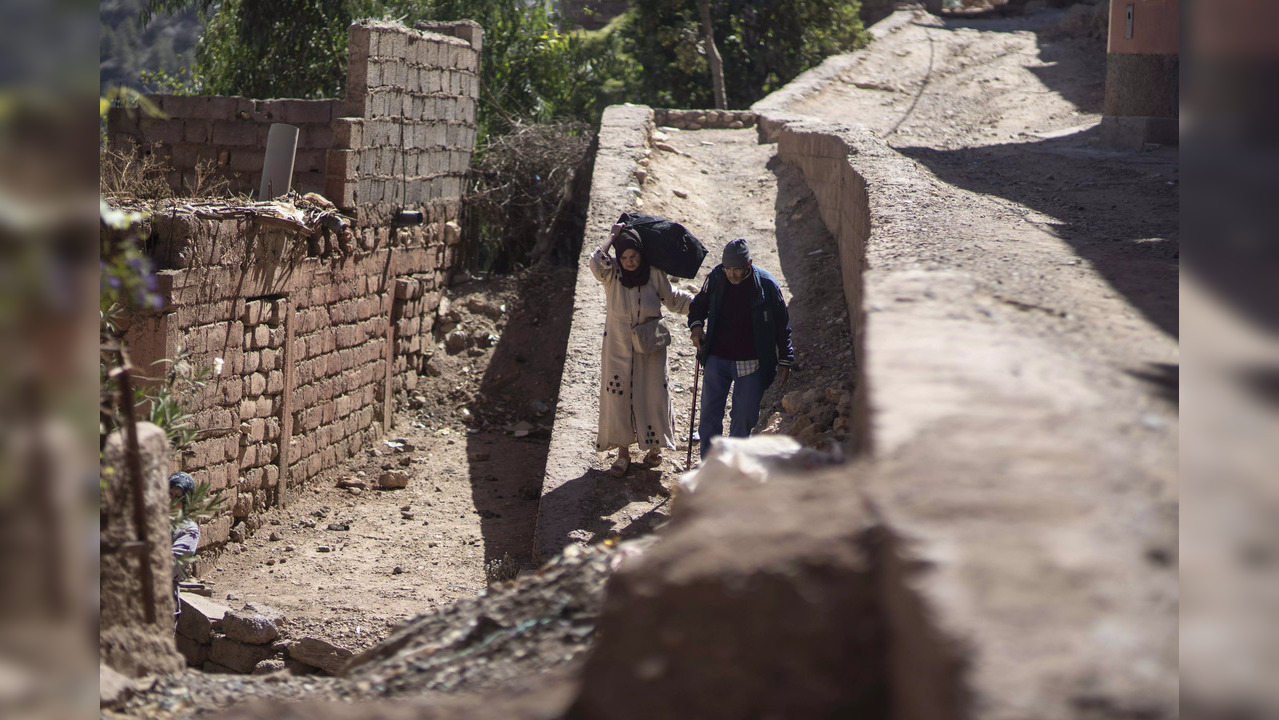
(251, 640)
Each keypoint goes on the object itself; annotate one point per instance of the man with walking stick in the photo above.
(739, 324)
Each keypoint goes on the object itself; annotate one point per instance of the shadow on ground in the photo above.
(513, 409)
(601, 496)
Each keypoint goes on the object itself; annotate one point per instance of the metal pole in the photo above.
(697, 370)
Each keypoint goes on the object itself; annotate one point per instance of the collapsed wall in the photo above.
(308, 318)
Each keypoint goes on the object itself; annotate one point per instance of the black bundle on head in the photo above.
(630, 240)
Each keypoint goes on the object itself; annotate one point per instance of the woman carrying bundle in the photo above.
(635, 406)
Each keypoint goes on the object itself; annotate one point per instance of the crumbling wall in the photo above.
(401, 138)
(304, 353)
(227, 136)
(309, 318)
(842, 201)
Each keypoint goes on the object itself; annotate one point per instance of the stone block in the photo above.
(393, 479)
(200, 618)
(215, 532)
(238, 657)
(319, 654)
(269, 666)
(252, 312)
(249, 627)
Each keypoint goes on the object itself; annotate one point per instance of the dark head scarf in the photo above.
(629, 240)
(183, 482)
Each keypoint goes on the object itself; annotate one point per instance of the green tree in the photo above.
(532, 68)
(281, 48)
(764, 45)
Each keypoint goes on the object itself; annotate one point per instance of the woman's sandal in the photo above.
(620, 466)
(653, 458)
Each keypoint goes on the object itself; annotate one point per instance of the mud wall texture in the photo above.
(841, 198)
(213, 136)
(983, 479)
(306, 352)
(308, 318)
(136, 590)
(401, 138)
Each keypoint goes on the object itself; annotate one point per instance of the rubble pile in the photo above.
(251, 640)
(537, 622)
(817, 417)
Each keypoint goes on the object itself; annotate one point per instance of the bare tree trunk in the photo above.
(712, 53)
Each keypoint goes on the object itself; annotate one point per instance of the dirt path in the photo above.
(347, 564)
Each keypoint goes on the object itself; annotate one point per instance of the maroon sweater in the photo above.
(734, 339)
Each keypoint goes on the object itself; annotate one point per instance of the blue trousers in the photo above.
(748, 390)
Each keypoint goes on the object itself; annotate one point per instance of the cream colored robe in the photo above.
(635, 404)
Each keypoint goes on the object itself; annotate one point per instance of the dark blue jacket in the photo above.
(770, 323)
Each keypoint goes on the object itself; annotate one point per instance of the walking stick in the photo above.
(697, 370)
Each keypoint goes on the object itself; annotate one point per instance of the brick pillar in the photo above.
(1142, 64)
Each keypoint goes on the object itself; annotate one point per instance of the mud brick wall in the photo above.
(413, 316)
(306, 353)
(228, 136)
(699, 119)
(410, 125)
(310, 335)
(400, 139)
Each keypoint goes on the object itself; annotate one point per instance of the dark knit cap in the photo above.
(736, 254)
